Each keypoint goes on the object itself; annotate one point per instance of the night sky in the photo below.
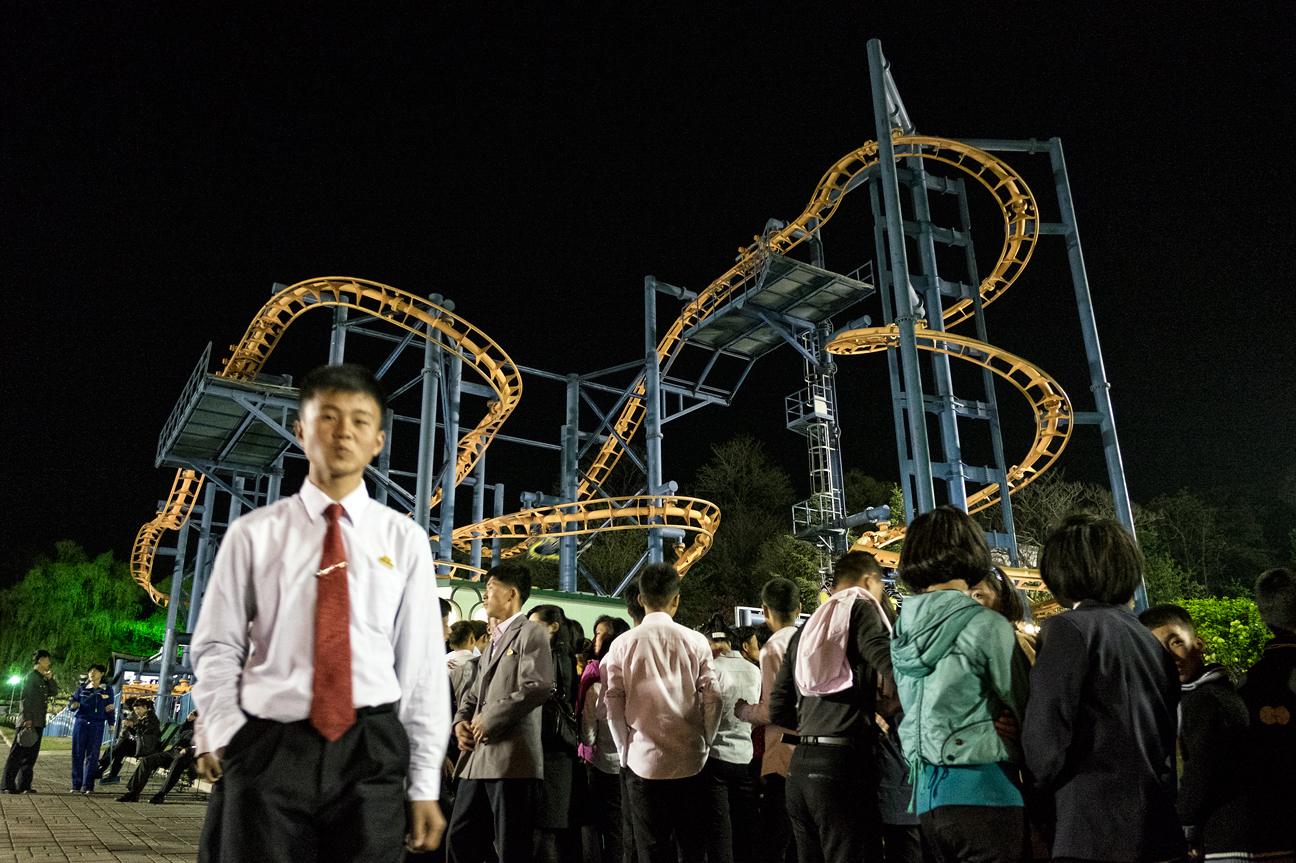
(162, 169)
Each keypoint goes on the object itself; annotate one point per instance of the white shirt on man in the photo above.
(660, 698)
(778, 755)
(736, 680)
(253, 647)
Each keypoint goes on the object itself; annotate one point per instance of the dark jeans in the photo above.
(686, 808)
(498, 811)
(629, 842)
(738, 818)
(176, 762)
(87, 737)
(20, 765)
(289, 795)
(779, 845)
(902, 843)
(830, 799)
(976, 834)
(605, 797)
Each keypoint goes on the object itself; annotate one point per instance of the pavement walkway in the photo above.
(56, 825)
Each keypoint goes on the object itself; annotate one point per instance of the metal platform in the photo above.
(789, 295)
(219, 421)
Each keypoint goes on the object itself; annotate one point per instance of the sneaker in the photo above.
(128, 798)
(160, 797)
(75, 791)
(28, 791)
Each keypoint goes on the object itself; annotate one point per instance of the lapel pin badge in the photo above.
(385, 561)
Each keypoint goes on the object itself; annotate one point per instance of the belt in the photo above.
(376, 709)
(807, 740)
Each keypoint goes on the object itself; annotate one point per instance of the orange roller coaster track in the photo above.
(1015, 201)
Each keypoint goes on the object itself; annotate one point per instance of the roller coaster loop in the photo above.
(1020, 223)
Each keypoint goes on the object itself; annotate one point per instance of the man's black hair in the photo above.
(943, 545)
(446, 607)
(1275, 596)
(93, 666)
(1167, 614)
(479, 628)
(347, 378)
(39, 655)
(1088, 557)
(763, 634)
(782, 596)
(461, 632)
(633, 606)
(853, 566)
(659, 583)
(510, 573)
(716, 630)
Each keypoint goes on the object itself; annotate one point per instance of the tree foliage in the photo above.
(1235, 635)
(80, 610)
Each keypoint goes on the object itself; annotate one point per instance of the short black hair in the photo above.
(511, 573)
(347, 378)
(763, 634)
(853, 566)
(716, 630)
(39, 655)
(94, 665)
(446, 607)
(943, 545)
(782, 596)
(1090, 557)
(479, 628)
(659, 583)
(1167, 614)
(461, 632)
(633, 606)
(1275, 596)
(565, 637)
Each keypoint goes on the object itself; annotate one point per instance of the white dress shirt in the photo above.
(253, 647)
(736, 680)
(501, 628)
(778, 755)
(661, 700)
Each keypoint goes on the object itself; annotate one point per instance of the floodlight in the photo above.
(14, 679)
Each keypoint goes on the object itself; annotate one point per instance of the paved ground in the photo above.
(54, 825)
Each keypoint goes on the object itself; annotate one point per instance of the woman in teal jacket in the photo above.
(958, 669)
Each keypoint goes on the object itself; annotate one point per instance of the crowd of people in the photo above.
(943, 730)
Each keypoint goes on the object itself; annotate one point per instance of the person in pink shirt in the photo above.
(663, 712)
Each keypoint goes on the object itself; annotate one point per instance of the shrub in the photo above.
(1234, 634)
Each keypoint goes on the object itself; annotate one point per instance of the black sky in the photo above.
(162, 168)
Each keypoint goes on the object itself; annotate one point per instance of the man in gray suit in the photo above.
(38, 688)
(498, 730)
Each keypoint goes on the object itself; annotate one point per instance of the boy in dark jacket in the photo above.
(177, 759)
(1214, 805)
(141, 736)
(1270, 697)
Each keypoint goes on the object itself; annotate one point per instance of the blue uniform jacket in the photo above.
(95, 704)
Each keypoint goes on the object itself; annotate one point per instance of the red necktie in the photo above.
(332, 708)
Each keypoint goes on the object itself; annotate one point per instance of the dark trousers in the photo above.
(779, 846)
(687, 808)
(111, 761)
(830, 798)
(629, 842)
(739, 824)
(176, 762)
(902, 843)
(289, 795)
(493, 815)
(87, 737)
(976, 834)
(605, 797)
(20, 765)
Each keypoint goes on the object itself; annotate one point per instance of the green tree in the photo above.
(80, 610)
(755, 497)
(1235, 635)
(1221, 544)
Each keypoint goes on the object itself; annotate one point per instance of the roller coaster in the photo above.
(726, 318)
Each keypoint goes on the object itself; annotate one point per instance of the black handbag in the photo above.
(559, 730)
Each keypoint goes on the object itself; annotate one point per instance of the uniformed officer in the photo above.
(93, 703)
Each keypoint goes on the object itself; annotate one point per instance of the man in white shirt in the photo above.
(663, 712)
(729, 762)
(781, 605)
(322, 684)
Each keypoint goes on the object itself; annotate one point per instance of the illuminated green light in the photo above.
(14, 679)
